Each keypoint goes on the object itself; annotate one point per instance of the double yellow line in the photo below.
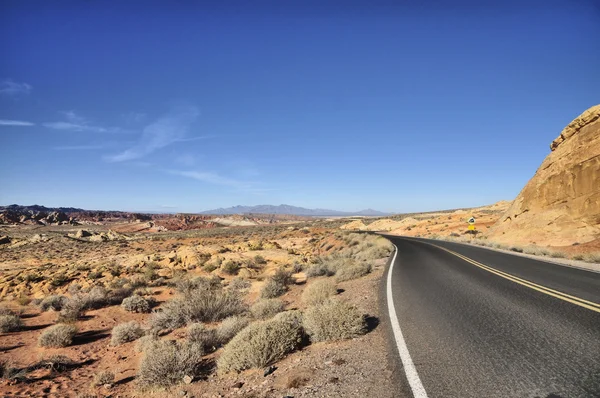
(546, 290)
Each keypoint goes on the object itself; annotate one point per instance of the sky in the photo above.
(182, 106)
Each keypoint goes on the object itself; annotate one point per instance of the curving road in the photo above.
(481, 323)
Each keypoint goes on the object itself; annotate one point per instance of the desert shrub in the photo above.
(126, 332)
(8, 371)
(145, 341)
(116, 296)
(10, 323)
(103, 378)
(199, 334)
(53, 302)
(186, 286)
(267, 308)
(318, 292)
(239, 284)
(261, 344)
(57, 336)
(592, 257)
(59, 280)
(198, 306)
(136, 303)
(230, 327)
(97, 297)
(319, 269)
(283, 277)
(556, 254)
(272, 289)
(167, 362)
(230, 267)
(73, 308)
(517, 249)
(333, 320)
(260, 260)
(297, 267)
(353, 271)
(55, 363)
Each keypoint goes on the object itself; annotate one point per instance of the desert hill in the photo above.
(292, 210)
(560, 205)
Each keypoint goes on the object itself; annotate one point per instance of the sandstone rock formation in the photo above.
(560, 205)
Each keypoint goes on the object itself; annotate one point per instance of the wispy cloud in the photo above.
(15, 123)
(11, 88)
(167, 130)
(212, 178)
(76, 122)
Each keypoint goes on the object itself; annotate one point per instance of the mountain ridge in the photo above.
(292, 210)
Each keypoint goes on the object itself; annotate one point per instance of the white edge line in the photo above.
(410, 370)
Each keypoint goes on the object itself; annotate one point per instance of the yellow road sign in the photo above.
(471, 227)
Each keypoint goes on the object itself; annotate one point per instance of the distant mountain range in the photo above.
(292, 210)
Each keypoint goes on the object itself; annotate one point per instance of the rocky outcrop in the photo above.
(560, 205)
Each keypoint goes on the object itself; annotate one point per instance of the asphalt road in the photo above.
(480, 332)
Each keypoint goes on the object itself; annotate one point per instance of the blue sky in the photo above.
(187, 106)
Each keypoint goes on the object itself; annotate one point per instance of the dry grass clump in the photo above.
(230, 327)
(198, 333)
(267, 308)
(103, 378)
(272, 289)
(73, 308)
(592, 257)
(198, 306)
(10, 323)
(145, 341)
(333, 320)
(318, 269)
(319, 291)
(57, 336)
(353, 271)
(166, 363)
(126, 332)
(53, 302)
(137, 304)
(261, 344)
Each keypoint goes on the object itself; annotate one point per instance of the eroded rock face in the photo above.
(560, 205)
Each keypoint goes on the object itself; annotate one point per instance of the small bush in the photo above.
(73, 308)
(10, 323)
(230, 267)
(261, 344)
(272, 289)
(239, 284)
(55, 363)
(103, 378)
(230, 327)
(116, 296)
(198, 306)
(136, 303)
(319, 269)
(97, 297)
(333, 320)
(592, 257)
(283, 277)
(53, 302)
(126, 332)
(57, 336)
(319, 291)
(353, 271)
(260, 260)
(267, 308)
(166, 363)
(199, 334)
(556, 254)
(145, 341)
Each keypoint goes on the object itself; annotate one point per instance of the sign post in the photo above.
(471, 227)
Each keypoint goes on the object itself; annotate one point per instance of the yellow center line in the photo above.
(543, 289)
